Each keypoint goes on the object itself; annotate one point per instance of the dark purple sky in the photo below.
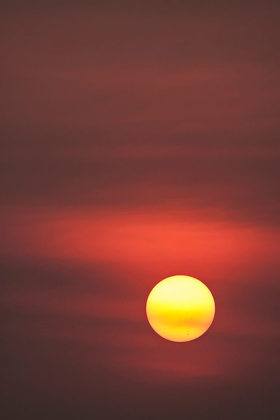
(139, 140)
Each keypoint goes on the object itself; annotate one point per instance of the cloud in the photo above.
(138, 141)
(146, 113)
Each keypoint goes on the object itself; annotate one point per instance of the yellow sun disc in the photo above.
(180, 308)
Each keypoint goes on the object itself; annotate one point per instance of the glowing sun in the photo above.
(180, 308)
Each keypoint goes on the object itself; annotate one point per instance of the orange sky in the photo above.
(140, 141)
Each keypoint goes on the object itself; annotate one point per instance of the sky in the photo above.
(139, 140)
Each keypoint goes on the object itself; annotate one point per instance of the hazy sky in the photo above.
(139, 140)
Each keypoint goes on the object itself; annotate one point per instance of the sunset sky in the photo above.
(139, 140)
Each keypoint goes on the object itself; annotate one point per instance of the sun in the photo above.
(180, 308)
